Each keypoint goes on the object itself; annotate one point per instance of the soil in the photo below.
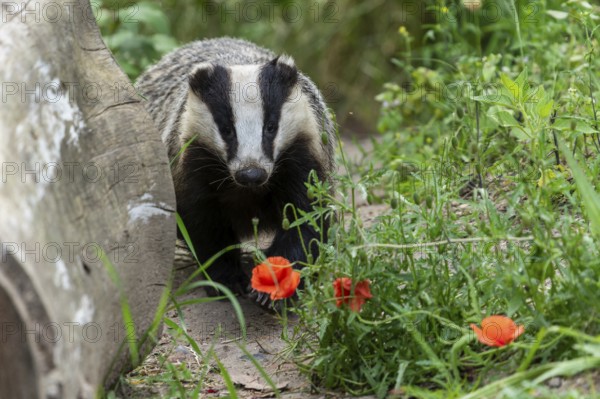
(215, 325)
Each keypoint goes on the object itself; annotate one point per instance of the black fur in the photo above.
(217, 212)
(213, 86)
(276, 81)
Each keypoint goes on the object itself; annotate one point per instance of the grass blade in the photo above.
(128, 322)
(588, 194)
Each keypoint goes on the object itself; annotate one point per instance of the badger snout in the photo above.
(252, 176)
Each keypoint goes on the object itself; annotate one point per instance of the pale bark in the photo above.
(81, 165)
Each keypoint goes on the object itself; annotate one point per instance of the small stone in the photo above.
(555, 382)
(182, 349)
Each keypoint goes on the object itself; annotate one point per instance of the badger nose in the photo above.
(251, 177)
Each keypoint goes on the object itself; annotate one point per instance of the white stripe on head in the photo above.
(197, 121)
(247, 105)
(297, 118)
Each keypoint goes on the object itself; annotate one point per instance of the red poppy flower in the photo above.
(276, 277)
(497, 331)
(342, 288)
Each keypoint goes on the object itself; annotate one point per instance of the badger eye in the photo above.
(270, 127)
(227, 132)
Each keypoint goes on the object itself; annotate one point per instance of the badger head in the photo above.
(248, 116)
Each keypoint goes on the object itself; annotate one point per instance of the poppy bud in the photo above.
(460, 113)
(310, 193)
(309, 259)
(394, 203)
(324, 138)
(285, 224)
(416, 198)
(429, 201)
(469, 229)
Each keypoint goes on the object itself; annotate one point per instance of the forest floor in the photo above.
(264, 342)
(215, 328)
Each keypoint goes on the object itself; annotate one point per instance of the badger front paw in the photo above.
(263, 300)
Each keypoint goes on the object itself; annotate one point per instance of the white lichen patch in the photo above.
(146, 197)
(61, 275)
(144, 208)
(52, 116)
(85, 312)
(43, 120)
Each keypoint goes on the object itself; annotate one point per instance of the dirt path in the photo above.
(215, 325)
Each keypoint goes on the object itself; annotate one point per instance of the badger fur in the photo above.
(244, 130)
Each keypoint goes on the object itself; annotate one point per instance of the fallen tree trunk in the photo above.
(87, 223)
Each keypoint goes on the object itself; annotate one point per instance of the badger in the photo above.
(244, 129)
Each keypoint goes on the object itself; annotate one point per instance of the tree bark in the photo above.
(82, 168)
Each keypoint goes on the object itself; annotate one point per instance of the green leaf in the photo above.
(544, 108)
(520, 134)
(151, 15)
(557, 14)
(584, 127)
(535, 95)
(123, 39)
(495, 99)
(164, 43)
(562, 124)
(511, 86)
(504, 118)
(521, 81)
(590, 197)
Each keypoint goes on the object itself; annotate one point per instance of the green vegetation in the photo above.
(488, 157)
(488, 162)
(344, 45)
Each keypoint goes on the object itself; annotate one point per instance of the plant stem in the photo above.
(518, 26)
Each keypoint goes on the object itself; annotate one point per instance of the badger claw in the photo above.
(261, 297)
(263, 300)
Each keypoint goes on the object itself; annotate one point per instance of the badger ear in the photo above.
(285, 60)
(199, 78)
(284, 69)
(207, 78)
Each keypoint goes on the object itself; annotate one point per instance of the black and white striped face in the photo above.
(249, 115)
